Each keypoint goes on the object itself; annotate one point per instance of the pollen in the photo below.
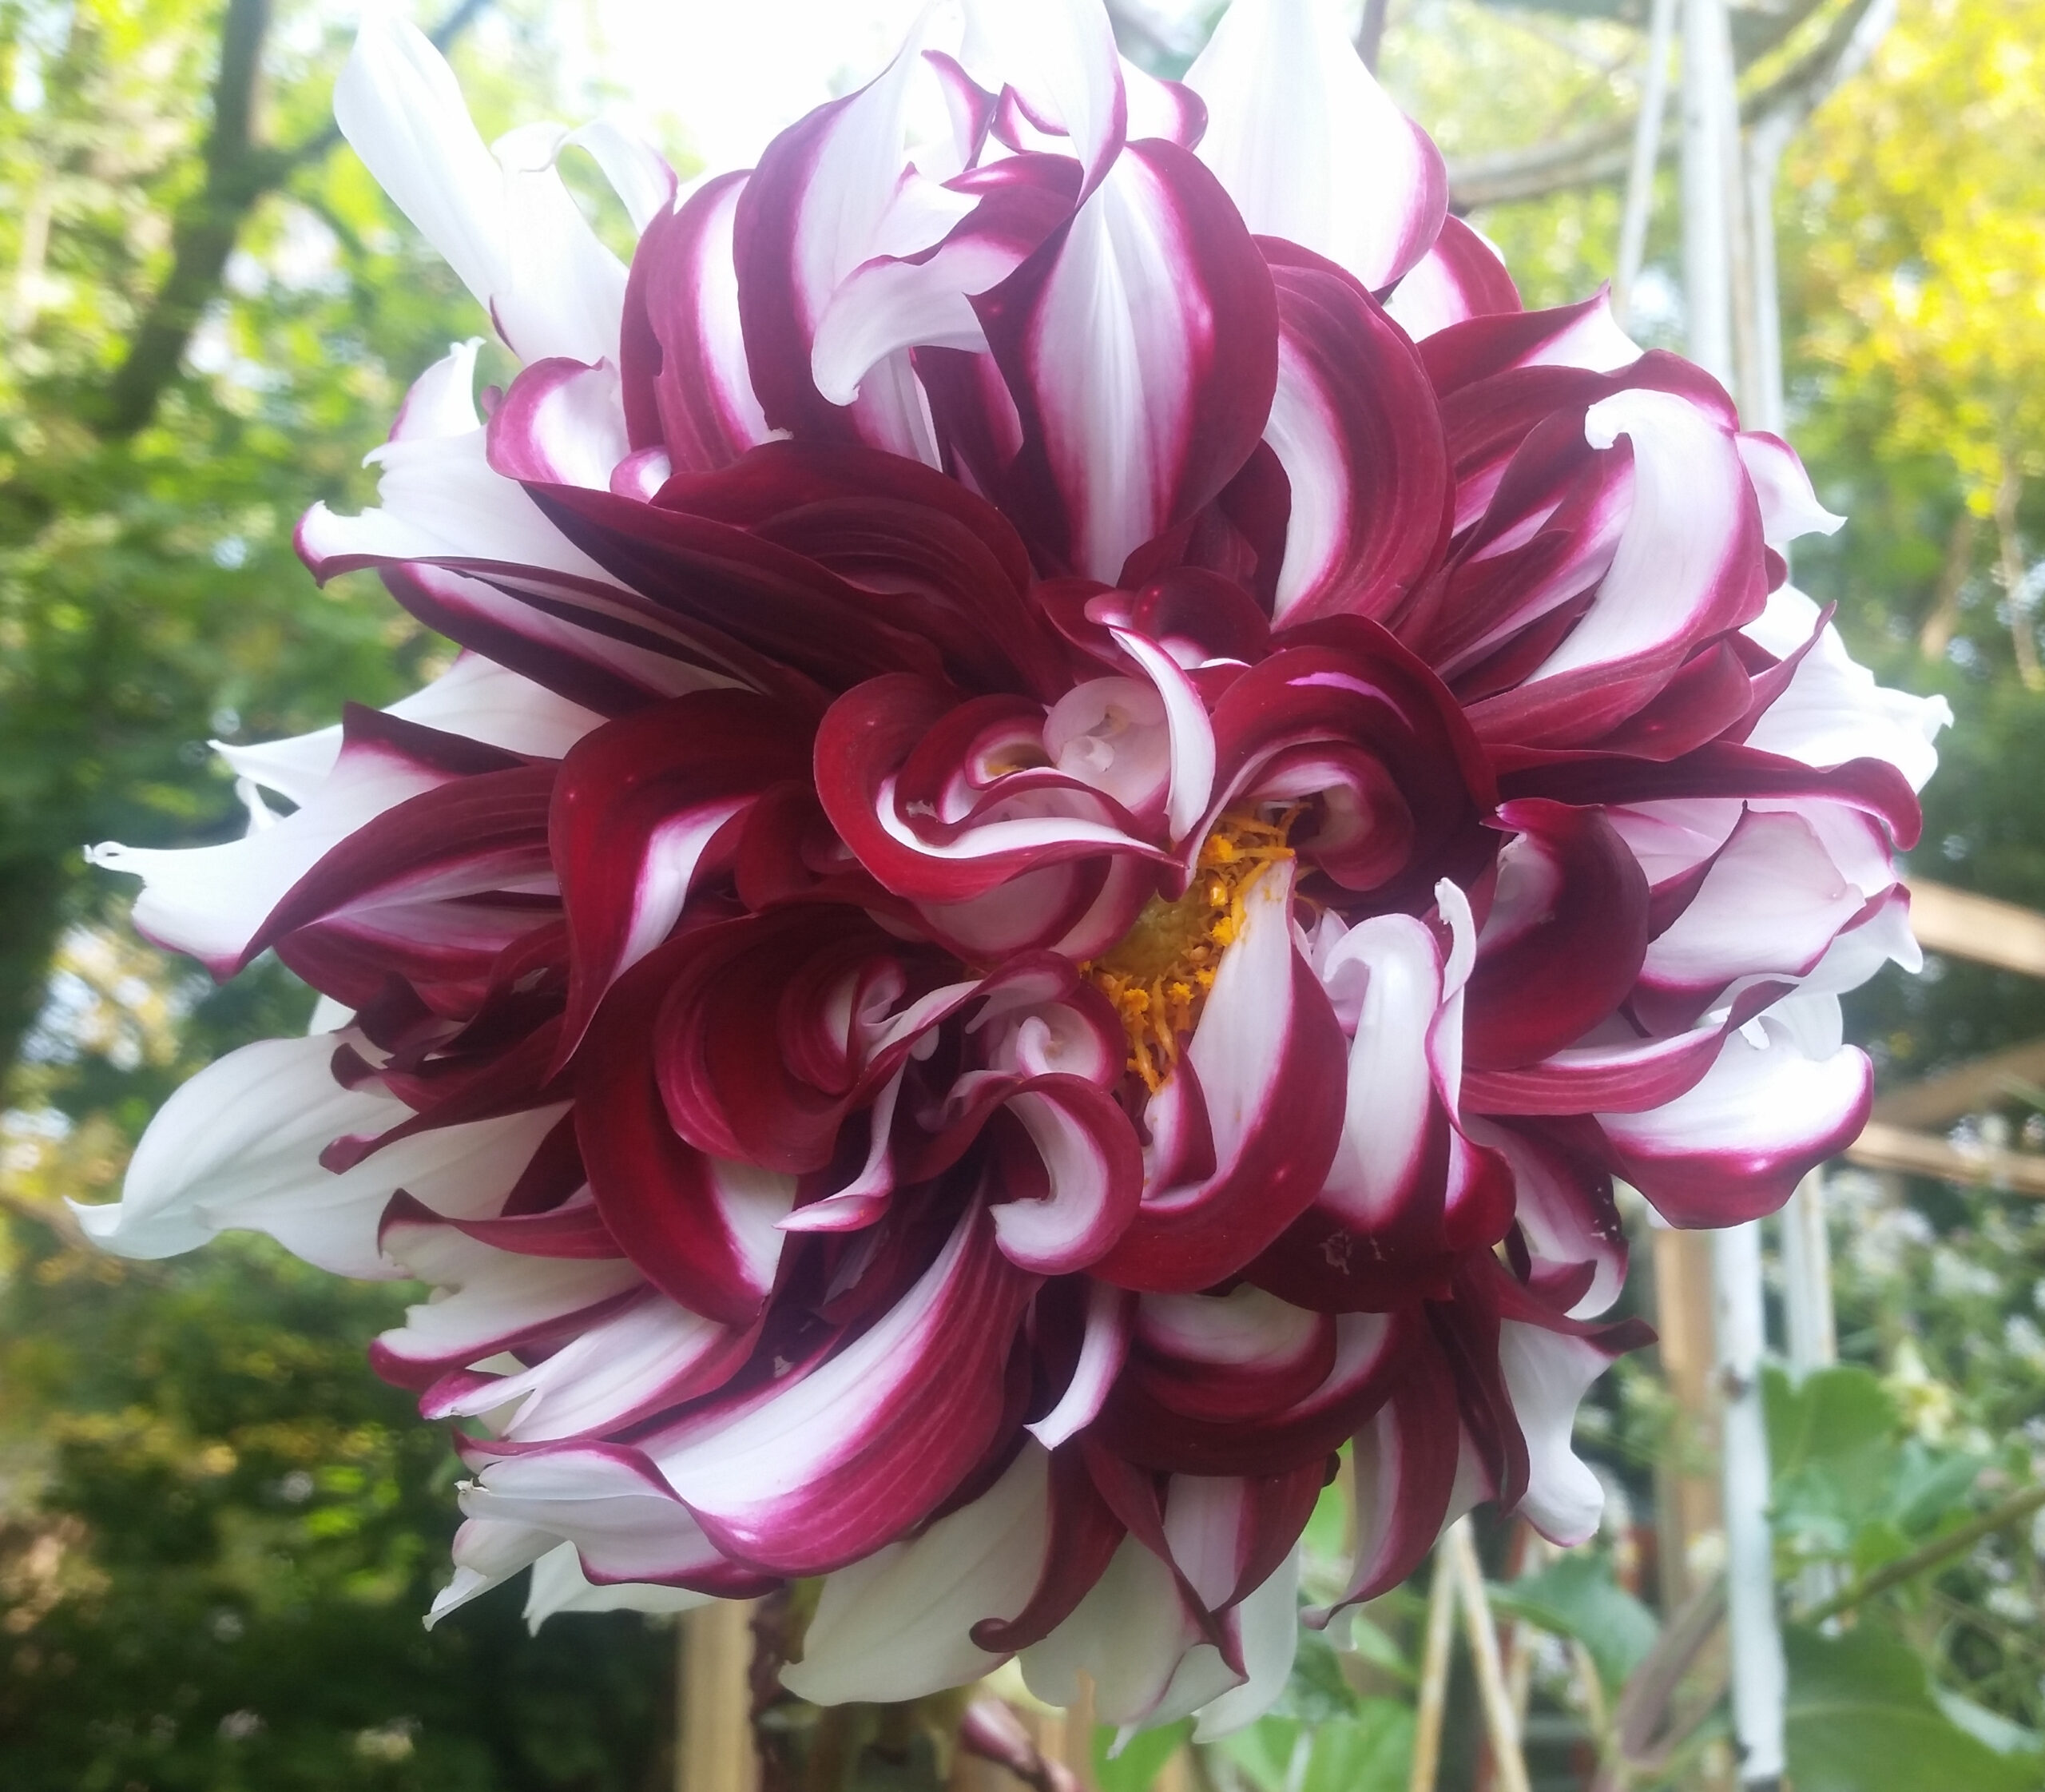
(1159, 974)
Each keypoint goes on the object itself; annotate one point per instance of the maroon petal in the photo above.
(1085, 1533)
(1461, 277)
(1565, 938)
(700, 1229)
(636, 812)
(1350, 686)
(1406, 1462)
(1736, 1143)
(1355, 426)
(1368, 1351)
(470, 837)
(1269, 1059)
(835, 1460)
(884, 751)
(1140, 344)
(687, 386)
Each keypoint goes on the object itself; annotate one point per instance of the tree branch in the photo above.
(1597, 156)
(203, 234)
(239, 172)
(2018, 1506)
(443, 37)
(1370, 32)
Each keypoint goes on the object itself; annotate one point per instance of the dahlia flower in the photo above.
(1091, 795)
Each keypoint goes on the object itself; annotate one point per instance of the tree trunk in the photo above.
(1936, 635)
(2008, 494)
(31, 893)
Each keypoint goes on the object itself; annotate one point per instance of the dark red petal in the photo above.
(1563, 943)
(1355, 426)
(636, 810)
(1142, 381)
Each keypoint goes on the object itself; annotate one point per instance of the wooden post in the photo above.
(713, 1746)
(1508, 1763)
(1434, 1675)
(1686, 1500)
(1066, 1736)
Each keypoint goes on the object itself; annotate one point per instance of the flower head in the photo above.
(1093, 794)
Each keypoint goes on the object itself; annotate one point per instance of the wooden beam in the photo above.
(714, 1751)
(1882, 1146)
(1967, 1088)
(1964, 925)
(1686, 1488)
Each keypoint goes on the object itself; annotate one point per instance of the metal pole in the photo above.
(1710, 206)
(1807, 1279)
(1759, 1676)
(1647, 155)
(1707, 266)
(1762, 407)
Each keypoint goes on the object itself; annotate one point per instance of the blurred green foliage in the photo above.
(222, 1536)
(217, 1531)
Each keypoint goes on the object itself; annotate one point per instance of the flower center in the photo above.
(1157, 974)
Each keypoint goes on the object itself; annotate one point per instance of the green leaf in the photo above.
(1370, 1752)
(1326, 1535)
(1929, 1484)
(1263, 1750)
(1862, 1717)
(1140, 1761)
(1841, 1420)
(1985, 1725)
(1373, 1643)
(1576, 1596)
(1316, 1690)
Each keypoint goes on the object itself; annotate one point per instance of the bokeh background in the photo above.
(218, 1530)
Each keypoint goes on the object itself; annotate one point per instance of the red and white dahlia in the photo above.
(1092, 795)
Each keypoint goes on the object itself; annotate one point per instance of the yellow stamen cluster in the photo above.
(1157, 974)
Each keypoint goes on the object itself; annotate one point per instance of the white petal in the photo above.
(475, 698)
(487, 1553)
(1757, 1100)
(484, 1297)
(566, 293)
(1391, 1089)
(1309, 146)
(1546, 1374)
(1059, 55)
(1131, 1635)
(558, 1584)
(894, 1627)
(504, 222)
(1833, 710)
(1773, 900)
(209, 900)
(442, 399)
(625, 1524)
(1788, 507)
(441, 499)
(637, 173)
(1269, 1627)
(238, 1146)
(401, 109)
(1688, 488)
(611, 1370)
